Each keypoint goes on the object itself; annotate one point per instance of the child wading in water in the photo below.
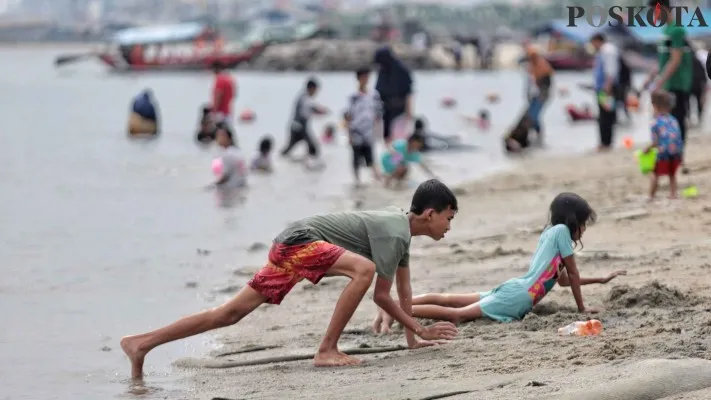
(357, 245)
(552, 262)
(263, 161)
(666, 138)
(363, 113)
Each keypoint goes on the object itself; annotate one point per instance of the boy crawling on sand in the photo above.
(356, 245)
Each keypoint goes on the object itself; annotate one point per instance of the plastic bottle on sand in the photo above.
(582, 328)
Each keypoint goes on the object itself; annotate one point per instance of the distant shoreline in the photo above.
(49, 45)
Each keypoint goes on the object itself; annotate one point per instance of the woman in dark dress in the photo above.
(395, 88)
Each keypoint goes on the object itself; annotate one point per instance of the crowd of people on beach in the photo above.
(367, 246)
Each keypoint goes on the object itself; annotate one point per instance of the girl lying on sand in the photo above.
(553, 261)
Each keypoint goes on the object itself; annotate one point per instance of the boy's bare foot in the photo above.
(130, 346)
(334, 358)
(377, 322)
(388, 322)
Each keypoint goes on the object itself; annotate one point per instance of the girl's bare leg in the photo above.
(383, 322)
(454, 315)
(137, 346)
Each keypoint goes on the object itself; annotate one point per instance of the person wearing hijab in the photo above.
(395, 87)
(143, 118)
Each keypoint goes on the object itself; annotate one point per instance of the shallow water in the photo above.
(100, 234)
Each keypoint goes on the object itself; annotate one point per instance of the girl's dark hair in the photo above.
(416, 137)
(265, 145)
(223, 126)
(572, 211)
(419, 123)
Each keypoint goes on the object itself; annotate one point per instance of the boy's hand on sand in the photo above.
(615, 275)
(439, 330)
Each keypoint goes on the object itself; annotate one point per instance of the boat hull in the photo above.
(116, 63)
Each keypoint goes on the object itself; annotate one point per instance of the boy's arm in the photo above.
(383, 299)
(404, 293)
(438, 330)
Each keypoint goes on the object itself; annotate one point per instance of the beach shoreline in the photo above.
(656, 313)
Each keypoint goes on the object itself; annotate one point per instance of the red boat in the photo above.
(183, 47)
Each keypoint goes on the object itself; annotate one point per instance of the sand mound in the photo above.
(653, 294)
(549, 315)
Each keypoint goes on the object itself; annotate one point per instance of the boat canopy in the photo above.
(580, 34)
(159, 34)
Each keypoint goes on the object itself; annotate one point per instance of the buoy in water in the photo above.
(492, 97)
(217, 167)
(627, 142)
(247, 115)
(448, 102)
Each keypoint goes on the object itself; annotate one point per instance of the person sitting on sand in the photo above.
(402, 152)
(553, 261)
(357, 245)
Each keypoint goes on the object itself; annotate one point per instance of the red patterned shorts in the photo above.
(290, 264)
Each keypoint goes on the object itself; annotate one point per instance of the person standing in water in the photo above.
(233, 175)
(675, 70)
(540, 79)
(223, 93)
(394, 85)
(606, 78)
(299, 129)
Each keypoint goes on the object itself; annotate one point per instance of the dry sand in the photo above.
(657, 321)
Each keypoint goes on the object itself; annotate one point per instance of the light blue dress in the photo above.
(390, 161)
(513, 299)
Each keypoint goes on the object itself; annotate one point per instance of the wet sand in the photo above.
(656, 319)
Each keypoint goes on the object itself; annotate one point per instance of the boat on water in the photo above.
(182, 47)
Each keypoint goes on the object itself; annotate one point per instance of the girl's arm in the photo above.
(563, 279)
(574, 281)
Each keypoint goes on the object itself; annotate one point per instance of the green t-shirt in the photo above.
(675, 38)
(381, 236)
